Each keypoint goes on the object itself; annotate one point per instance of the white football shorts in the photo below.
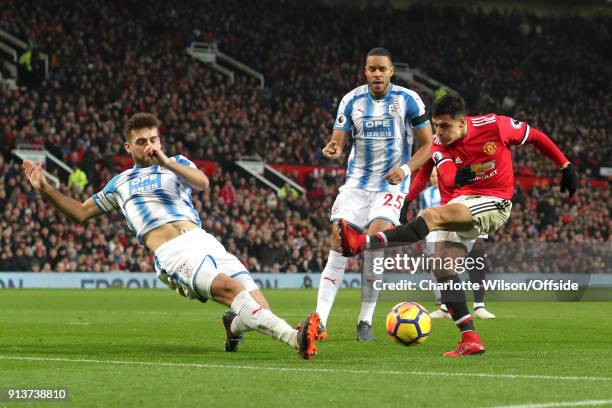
(488, 213)
(360, 207)
(190, 262)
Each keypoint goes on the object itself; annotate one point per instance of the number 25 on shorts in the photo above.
(397, 204)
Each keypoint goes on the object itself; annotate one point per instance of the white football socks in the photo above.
(367, 312)
(252, 316)
(331, 280)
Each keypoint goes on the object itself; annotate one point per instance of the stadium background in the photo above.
(544, 63)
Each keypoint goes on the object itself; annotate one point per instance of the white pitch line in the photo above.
(559, 404)
(314, 370)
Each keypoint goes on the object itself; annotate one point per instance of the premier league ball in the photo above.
(408, 323)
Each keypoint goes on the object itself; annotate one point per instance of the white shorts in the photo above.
(488, 213)
(359, 207)
(197, 257)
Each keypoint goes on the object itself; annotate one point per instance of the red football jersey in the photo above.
(486, 149)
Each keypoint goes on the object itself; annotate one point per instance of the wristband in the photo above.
(406, 170)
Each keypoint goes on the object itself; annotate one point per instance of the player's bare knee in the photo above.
(432, 217)
(225, 287)
(335, 238)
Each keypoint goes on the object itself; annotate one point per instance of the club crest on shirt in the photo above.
(394, 109)
(489, 148)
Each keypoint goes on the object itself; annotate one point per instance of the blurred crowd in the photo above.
(103, 69)
(266, 232)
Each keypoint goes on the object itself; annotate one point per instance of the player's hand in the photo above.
(35, 174)
(332, 150)
(464, 176)
(157, 155)
(569, 180)
(395, 176)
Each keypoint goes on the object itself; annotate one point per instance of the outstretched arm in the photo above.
(80, 212)
(547, 147)
(569, 179)
(517, 133)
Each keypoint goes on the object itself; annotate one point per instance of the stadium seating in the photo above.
(103, 70)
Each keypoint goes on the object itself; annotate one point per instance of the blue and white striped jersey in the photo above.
(430, 197)
(149, 197)
(383, 132)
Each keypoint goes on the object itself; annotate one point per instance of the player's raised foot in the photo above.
(352, 240)
(364, 331)
(470, 345)
(321, 331)
(232, 342)
(307, 346)
(439, 314)
(483, 313)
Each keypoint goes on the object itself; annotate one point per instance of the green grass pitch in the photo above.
(128, 348)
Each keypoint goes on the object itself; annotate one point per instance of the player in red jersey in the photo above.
(477, 272)
(473, 154)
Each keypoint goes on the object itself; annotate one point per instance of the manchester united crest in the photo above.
(489, 148)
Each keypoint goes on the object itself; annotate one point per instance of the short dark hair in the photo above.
(448, 105)
(380, 52)
(140, 121)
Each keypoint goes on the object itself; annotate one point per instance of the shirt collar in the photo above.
(384, 97)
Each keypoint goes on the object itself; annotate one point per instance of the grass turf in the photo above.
(154, 348)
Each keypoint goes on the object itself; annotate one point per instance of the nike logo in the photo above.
(257, 310)
(331, 280)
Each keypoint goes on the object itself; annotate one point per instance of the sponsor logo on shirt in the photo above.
(378, 129)
(146, 183)
(481, 168)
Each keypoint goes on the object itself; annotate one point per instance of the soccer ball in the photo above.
(408, 323)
